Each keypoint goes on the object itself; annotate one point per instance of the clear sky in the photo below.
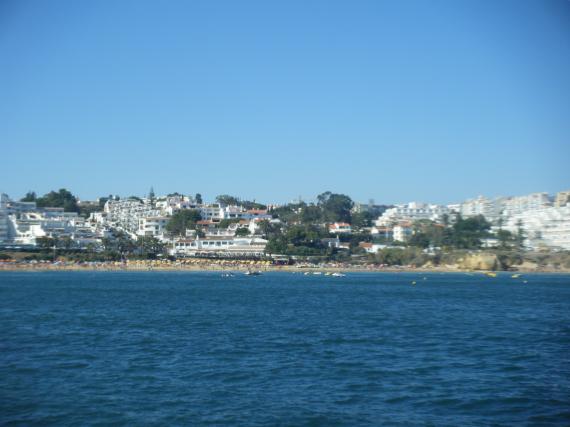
(391, 100)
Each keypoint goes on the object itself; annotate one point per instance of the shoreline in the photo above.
(262, 268)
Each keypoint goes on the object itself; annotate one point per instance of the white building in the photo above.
(22, 223)
(171, 204)
(152, 226)
(258, 214)
(562, 198)
(372, 248)
(518, 205)
(412, 212)
(220, 246)
(546, 227)
(402, 232)
(26, 227)
(211, 212)
(4, 218)
(340, 227)
(125, 214)
(490, 209)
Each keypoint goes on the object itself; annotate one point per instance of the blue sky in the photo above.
(390, 100)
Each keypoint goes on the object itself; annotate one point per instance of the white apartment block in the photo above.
(152, 226)
(412, 212)
(22, 223)
(169, 205)
(545, 227)
(24, 228)
(490, 209)
(126, 213)
(518, 205)
(211, 213)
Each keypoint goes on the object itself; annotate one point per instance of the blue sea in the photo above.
(282, 349)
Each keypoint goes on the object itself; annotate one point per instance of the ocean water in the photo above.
(121, 348)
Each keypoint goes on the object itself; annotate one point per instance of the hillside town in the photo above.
(333, 227)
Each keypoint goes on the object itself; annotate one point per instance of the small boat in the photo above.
(252, 273)
(516, 276)
(338, 275)
(227, 274)
(491, 274)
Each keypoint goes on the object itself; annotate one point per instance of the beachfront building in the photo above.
(340, 227)
(412, 212)
(219, 246)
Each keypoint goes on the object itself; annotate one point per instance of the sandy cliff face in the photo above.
(479, 262)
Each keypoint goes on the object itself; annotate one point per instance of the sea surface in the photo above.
(283, 349)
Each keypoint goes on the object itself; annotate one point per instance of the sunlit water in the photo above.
(284, 349)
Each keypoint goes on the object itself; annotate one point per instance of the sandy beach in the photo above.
(196, 265)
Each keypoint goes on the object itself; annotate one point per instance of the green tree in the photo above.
(226, 222)
(150, 247)
(300, 239)
(269, 230)
(362, 219)
(505, 238)
(247, 204)
(336, 207)
(240, 232)
(198, 198)
(29, 197)
(311, 214)
(468, 233)
(66, 243)
(289, 213)
(227, 200)
(419, 239)
(45, 242)
(119, 246)
(103, 200)
(520, 236)
(183, 220)
(86, 209)
(60, 199)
